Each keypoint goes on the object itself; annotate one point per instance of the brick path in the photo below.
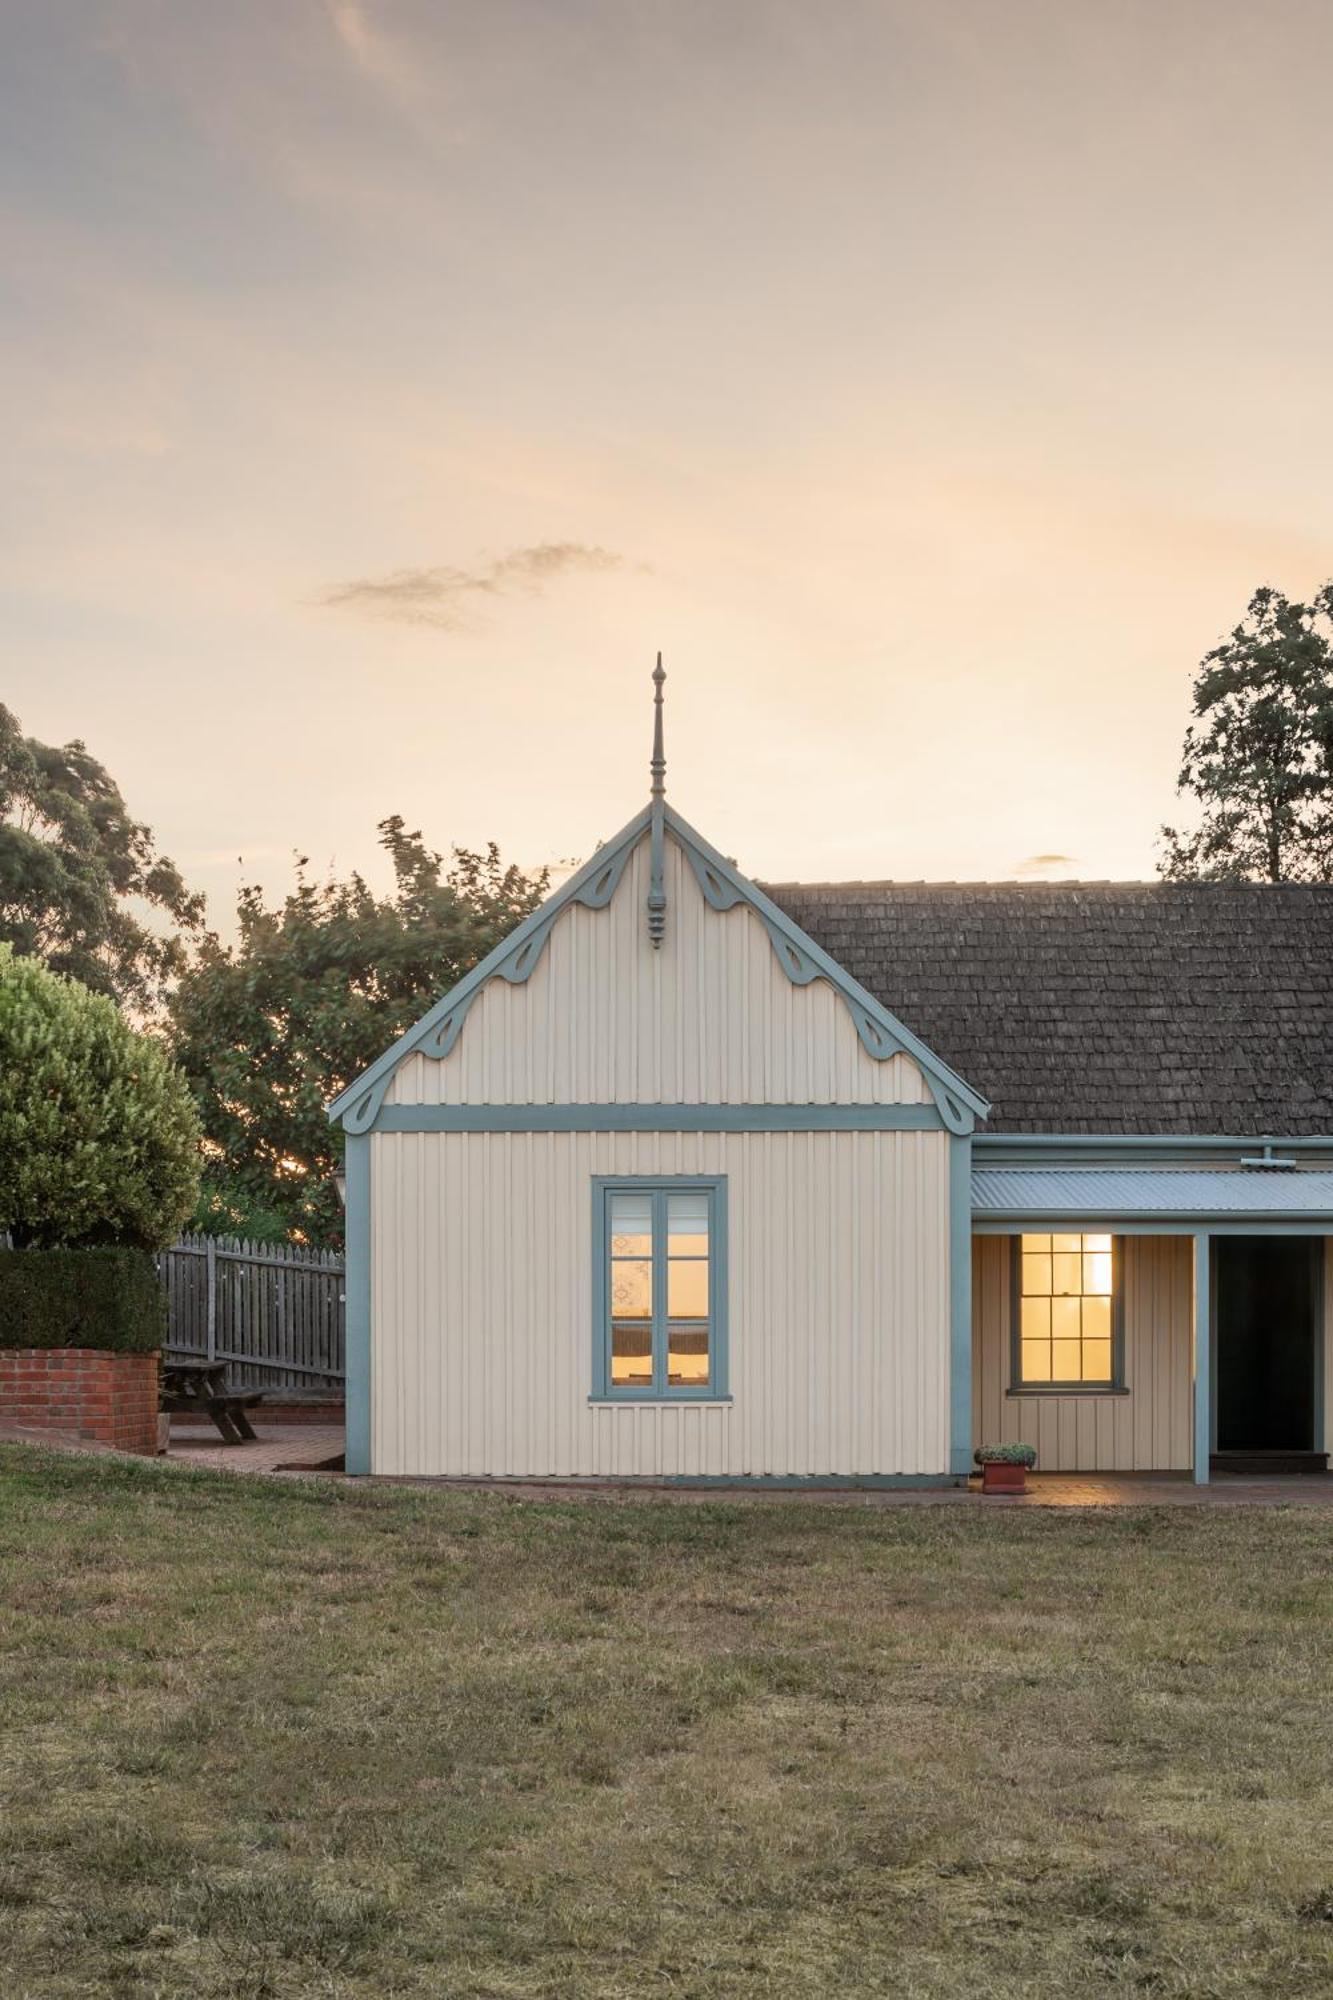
(278, 1447)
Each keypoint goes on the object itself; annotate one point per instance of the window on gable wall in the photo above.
(662, 1251)
(1065, 1301)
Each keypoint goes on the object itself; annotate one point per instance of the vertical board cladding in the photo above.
(710, 1018)
(482, 1307)
(1148, 1429)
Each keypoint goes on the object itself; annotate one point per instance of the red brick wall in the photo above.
(109, 1397)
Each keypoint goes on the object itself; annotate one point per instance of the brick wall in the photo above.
(110, 1397)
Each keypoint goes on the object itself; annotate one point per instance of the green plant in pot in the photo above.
(1005, 1467)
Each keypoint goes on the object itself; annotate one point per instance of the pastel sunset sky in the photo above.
(383, 381)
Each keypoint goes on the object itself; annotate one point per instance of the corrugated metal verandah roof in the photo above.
(1122, 1194)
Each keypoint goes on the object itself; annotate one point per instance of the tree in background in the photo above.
(99, 1139)
(1260, 757)
(73, 868)
(269, 1029)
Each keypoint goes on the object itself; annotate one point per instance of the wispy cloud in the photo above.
(1041, 864)
(408, 78)
(365, 42)
(449, 598)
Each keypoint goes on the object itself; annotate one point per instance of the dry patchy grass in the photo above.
(267, 1740)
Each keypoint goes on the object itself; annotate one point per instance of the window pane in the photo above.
(1096, 1361)
(687, 1356)
(631, 1354)
(1066, 1360)
(1097, 1271)
(1036, 1319)
(687, 1225)
(631, 1225)
(1067, 1290)
(1067, 1272)
(687, 1288)
(1036, 1274)
(1096, 1319)
(1036, 1360)
(631, 1289)
(1065, 1319)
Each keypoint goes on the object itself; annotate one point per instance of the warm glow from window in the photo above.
(659, 1288)
(1065, 1293)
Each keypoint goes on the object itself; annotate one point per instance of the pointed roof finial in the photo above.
(658, 764)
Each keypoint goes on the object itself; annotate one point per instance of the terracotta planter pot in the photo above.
(997, 1477)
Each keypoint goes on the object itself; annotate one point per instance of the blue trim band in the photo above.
(659, 1118)
(960, 1305)
(357, 1286)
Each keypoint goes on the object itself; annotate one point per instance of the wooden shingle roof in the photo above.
(1103, 1007)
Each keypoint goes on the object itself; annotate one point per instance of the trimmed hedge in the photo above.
(107, 1298)
(99, 1137)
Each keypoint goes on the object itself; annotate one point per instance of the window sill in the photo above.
(1074, 1389)
(659, 1402)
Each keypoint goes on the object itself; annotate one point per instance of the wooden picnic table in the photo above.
(199, 1388)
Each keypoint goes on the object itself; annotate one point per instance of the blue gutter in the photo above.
(998, 1149)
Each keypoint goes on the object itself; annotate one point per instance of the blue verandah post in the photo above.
(1203, 1315)
(960, 1305)
(357, 1282)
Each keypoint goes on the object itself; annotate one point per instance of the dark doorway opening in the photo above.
(1268, 1308)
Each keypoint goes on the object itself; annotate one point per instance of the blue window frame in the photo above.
(659, 1249)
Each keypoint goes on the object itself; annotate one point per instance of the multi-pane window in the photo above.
(662, 1290)
(1066, 1311)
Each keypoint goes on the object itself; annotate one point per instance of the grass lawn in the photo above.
(269, 1739)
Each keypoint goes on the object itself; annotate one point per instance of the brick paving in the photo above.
(278, 1448)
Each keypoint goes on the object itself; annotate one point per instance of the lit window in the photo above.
(661, 1252)
(1065, 1305)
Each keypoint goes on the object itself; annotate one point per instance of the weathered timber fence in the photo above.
(274, 1312)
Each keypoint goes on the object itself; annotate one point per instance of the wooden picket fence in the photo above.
(273, 1312)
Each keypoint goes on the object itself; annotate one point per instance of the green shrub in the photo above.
(99, 1139)
(82, 1298)
(1005, 1454)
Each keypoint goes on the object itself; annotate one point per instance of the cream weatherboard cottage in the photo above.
(691, 1181)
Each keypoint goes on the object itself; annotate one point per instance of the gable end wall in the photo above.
(709, 1018)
